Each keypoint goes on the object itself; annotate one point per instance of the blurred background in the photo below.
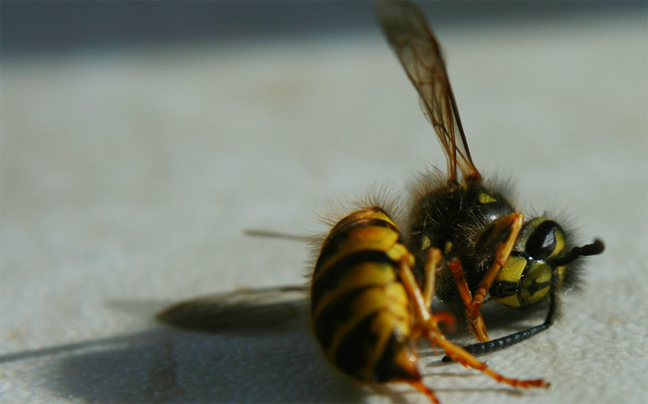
(63, 26)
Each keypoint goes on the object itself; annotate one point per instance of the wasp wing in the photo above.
(240, 311)
(416, 47)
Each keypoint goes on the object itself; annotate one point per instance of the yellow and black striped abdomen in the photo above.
(360, 310)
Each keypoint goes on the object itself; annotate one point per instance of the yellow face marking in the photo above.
(512, 270)
(539, 274)
(511, 301)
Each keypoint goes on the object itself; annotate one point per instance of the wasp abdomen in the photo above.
(359, 307)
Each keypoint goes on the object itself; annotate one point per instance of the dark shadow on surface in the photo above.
(242, 311)
(262, 363)
(168, 365)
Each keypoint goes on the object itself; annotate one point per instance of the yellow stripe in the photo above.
(390, 297)
(369, 213)
(384, 325)
(366, 238)
(365, 274)
(398, 252)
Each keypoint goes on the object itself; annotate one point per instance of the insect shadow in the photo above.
(242, 312)
(252, 345)
(284, 312)
(170, 365)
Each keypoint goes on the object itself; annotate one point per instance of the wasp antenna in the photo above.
(274, 234)
(594, 248)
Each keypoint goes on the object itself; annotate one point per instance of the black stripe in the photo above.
(339, 237)
(331, 277)
(536, 286)
(354, 351)
(334, 315)
(386, 369)
(352, 355)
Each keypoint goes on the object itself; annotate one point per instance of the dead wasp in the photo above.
(374, 281)
(372, 286)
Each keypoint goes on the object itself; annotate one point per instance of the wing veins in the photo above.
(420, 55)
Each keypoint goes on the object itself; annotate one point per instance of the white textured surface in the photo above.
(127, 178)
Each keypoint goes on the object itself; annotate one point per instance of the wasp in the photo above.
(373, 283)
(375, 277)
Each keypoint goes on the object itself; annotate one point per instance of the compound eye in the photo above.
(545, 240)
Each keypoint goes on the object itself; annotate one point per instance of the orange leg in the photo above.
(431, 268)
(458, 354)
(475, 321)
(428, 325)
(511, 224)
(425, 390)
(422, 310)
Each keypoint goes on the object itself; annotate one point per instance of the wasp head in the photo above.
(539, 263)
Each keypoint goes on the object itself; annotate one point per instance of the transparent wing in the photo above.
(419, 52)
(239, 311)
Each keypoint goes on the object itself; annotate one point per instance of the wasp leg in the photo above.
(509, 225)
(512, 339)
(425, 390)
(429, 325)
(421, 310)
(422, 303)
(459, 355)
(431, 269)
(475, 322)
(512, 224)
